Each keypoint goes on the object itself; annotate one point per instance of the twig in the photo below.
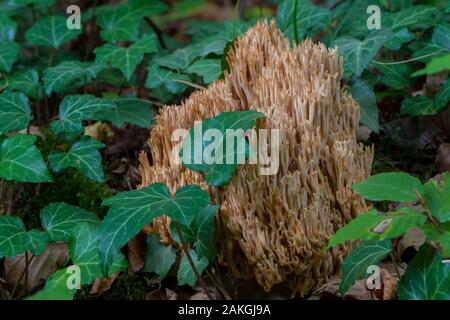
(222, 235)
(395, 265)
(157, 31)
(219, 287)
(191, 84)
(426, 213)
(25, 271)
(191, 262)
(92, 26)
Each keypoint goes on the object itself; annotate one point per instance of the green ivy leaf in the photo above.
(309, 18)
(413, 16)
(21, 161)
(51, 31)
(74, 109)
(179, 60)
(358, 54)
(128, 110)
(130, 211)
(60, 218)
(370, 252)
(437, 198)
(439, 43)
(8, 54)
(418, 105)
(69, 75)
(218, 171)
(160, 258)
(399, 38)
(362, 91)
(395, 76)
(126, 59)
(201, 232)
(15, 111)
(426, 277)
(8, 28)
(185, 274)
(26, 81)
(121, 23)
(391, 186)
(84, 254)
(158, 77)
(83, 156)
(56, 288)
(437, 64)
(442, 98)
(441, 238)
(37, 241)
(209, 69)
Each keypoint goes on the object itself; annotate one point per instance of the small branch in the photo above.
(397, 270)
(191, 262)
(191, 84)
(426, 213)
(219, 287)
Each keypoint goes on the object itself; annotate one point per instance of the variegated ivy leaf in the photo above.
(74, 109)
(209, 69)
(20, 160)
(26, 81)
(126, 59)
(60, 218)
(130, 211)
(358, 54)
(69, 76)
(51, 31)
(14, 239)
(128, 110)
(83, 156)
(8, 28)
(84, 254)
(8, 54)
(15, 112)
(121, 23)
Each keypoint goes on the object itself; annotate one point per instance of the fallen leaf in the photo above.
(101, 285)
(388, 290)
(413, 238)
(442, 160)
(137, 248)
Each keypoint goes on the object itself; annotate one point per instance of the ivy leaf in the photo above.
(74, 109)
(129, 110)
(185, 274)
(56, 288)
(12, 236)
(60, 218)
(218, 168)
(8, 28)
(159, 258)
(395, 76)
(158, 77)
(179, 60)
(15, 111)
(413, 16)
(437, 198)
(8, 54)
(426, 277)
(309, 17)
(37, 241)
(399, 38)
(201, 232)
(121, 23)
(439, 43)
(358, 54)
(130, 211)
(83, 156)
(21, 161)
(84, 254)
(26, 81)
(69, 75)
(51, 31)
(442, 98)
(362, 91)
(418, 105)
(126, 59)
(437, 64)
(209, 69)
(370, 252)
(391, 186)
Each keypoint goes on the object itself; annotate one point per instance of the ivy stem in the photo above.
(218, 285)
(51, 56)
(394, 261)
(191, 262)
(426, 213)
(223, 237)
(2, 184)
(294, 17)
